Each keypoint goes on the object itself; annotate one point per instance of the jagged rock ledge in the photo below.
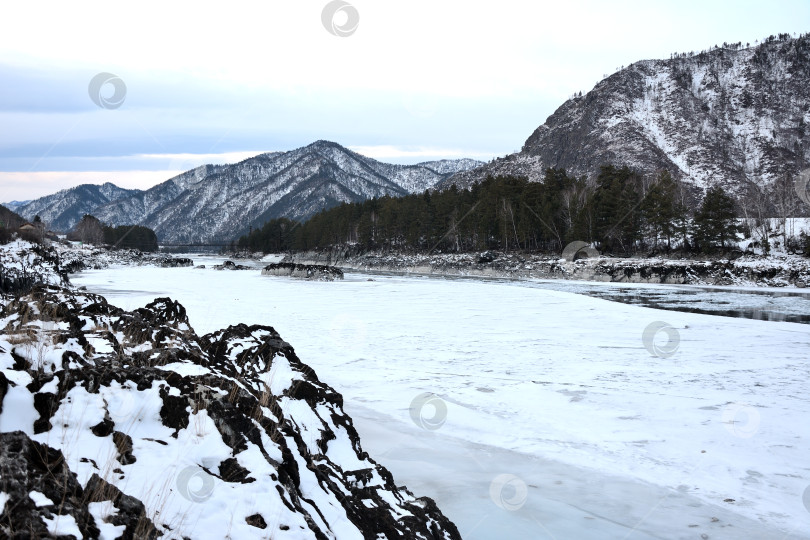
(168, 261)
(83, 258)
(318, 272)
(23, 264)
(772, 271)
(128, 424)
(230, 265)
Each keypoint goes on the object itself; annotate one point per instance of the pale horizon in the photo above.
(410, 83)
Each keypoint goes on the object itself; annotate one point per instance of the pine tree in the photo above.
(715, 220)
(661, 210)
(617, 212)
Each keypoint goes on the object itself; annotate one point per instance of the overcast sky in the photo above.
(410, 81)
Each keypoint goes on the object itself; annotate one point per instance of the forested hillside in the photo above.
(733, 116)
(92, 231)
(621, 212)
(217, 203)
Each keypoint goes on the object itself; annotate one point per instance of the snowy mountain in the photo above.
(221, 202)
(736, 116)
(127, 424)
(14, 205)
(62, 210)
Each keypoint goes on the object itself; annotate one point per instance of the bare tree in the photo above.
(782, 196)
(89, 230)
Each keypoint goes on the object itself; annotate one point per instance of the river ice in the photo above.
(527, 412)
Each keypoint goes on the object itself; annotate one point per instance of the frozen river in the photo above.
(537, 409)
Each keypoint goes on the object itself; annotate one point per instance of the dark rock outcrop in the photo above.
(230, 265)
(173, 427)
(45, 499)
(176, 262)
(318, 272)
(28, 467)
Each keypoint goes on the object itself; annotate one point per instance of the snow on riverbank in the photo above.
(779, 270)
(129, 423)
(598, 437)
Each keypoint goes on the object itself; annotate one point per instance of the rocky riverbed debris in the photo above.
(230, 265)
(317, 272)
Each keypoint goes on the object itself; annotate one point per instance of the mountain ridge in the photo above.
(733, 116)
(218, 203)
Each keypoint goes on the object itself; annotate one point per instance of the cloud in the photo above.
(185, 161)
(417, 80)
(140, 171)
(22, 186)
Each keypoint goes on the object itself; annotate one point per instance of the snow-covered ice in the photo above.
(552, 417)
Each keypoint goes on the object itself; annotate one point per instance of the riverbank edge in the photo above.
(776, 271)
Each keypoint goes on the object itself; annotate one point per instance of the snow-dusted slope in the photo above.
(221, 202)
(10, 219)
(14, 205)
(731, 116)
(118, 422)
(62, 210)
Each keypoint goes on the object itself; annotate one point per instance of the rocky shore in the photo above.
(88, 257)
(230, 265)
(127, 424)
(319, 272)
(774, 271)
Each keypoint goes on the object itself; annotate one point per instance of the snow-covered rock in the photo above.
(23, 265)
(126, 423)
(230, 265)
(317, 272)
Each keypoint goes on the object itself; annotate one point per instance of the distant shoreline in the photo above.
(772, 271)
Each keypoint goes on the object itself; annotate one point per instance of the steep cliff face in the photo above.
(734, 116)
(218, 203)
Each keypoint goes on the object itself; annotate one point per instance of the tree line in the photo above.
(619, 211)
(91, 231)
